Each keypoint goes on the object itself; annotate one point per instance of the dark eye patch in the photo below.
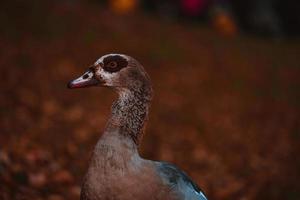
(121, 63)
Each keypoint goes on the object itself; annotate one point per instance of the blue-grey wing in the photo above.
(179, 182)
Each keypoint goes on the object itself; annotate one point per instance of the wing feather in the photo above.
(178, 180)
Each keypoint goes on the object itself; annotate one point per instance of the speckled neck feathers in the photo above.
(130, 111)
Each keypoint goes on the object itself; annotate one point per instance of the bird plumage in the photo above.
(116, 170)
(181, 183)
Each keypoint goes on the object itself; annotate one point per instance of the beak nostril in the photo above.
(85, 76)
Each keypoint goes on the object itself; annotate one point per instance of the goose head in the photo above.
(118, 71)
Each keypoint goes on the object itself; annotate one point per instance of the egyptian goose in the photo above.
(116, 170)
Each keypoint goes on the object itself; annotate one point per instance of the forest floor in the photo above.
(226, 110)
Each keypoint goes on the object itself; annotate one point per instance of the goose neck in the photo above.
(130, 112)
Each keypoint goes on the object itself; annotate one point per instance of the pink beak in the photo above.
(86, 80)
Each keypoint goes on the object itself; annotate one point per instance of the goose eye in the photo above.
(113, 64)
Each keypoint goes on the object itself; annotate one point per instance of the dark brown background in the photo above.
(226, 110)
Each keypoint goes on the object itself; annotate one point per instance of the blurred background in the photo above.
(226, 81)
